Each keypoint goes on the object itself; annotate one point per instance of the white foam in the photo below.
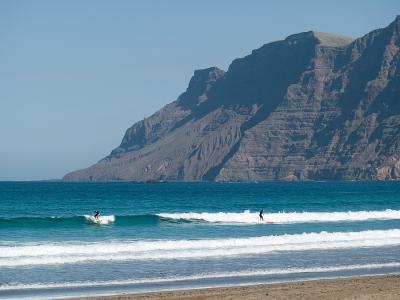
(67, 253)
(100, 220)
(245, 273)
(286, 217)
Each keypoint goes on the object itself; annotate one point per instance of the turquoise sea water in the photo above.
(182, 235)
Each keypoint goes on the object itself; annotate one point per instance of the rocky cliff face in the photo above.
(313, 106)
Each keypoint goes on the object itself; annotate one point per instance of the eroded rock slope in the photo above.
(313, 106)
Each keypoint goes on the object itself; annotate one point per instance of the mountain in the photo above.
(312, 106)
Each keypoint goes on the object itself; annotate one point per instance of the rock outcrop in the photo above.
(313, 106)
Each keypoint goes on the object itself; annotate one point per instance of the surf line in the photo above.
(285, 217)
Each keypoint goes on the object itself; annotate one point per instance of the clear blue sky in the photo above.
(74, 75)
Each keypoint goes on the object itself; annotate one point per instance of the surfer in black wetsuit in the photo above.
(261, 215)
(96, 214)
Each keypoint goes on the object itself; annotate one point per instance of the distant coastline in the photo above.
(200, 181)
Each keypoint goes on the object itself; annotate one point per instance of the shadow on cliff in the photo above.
(369, 52)
(260, 79)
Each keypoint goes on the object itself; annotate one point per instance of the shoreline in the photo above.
(366, 287)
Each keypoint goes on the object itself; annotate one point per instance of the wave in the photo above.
(69, 253)
(245, 273)
(245, 217)
(286, 217)
(101, 219)
(77, 221)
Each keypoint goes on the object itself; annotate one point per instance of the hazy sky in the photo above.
(74, 75)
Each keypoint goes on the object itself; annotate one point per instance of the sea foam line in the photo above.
(67, 253)
(285, 217)
(247, 273)
(245, 217)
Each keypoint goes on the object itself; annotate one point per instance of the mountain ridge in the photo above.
(314, 106)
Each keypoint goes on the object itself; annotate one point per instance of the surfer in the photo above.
(261, 215)
(96, 214)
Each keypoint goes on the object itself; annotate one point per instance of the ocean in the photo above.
(167, 236)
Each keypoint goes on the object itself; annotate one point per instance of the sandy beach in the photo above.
(374, 287)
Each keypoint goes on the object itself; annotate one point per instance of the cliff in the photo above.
(312, 106)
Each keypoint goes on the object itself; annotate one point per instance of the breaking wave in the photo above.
(286, 217)
(100, 220)
(69, 253)
(245, 217)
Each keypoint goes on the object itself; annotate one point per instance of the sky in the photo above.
(74, 75)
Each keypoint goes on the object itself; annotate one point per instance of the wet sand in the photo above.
(362, 288)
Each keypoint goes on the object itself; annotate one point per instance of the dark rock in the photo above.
(313, 106)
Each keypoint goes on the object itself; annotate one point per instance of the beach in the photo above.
(372, 287)
(192, 236)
